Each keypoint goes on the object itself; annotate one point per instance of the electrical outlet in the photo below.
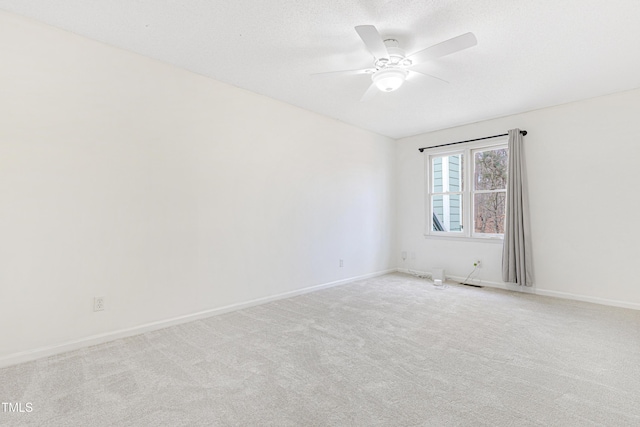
(98, 303)
(404, 255)
(477, 264)
(341, 263)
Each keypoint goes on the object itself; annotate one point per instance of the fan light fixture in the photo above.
(389, 79)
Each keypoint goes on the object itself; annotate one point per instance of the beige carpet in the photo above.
(390, 351)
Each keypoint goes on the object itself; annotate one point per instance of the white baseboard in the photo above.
(537, 291)
(595, 300)
(29, 355)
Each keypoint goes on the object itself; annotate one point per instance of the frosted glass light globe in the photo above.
(388, 80)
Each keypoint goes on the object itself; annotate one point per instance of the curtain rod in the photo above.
(523, 132)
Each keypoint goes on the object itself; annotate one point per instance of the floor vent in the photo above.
(469, 284)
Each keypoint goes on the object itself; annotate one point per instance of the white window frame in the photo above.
(430, 193)
(468, 151)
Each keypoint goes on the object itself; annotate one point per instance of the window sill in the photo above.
(494, 240)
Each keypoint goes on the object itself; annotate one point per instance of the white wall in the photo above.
(582, 161)
(166, 192)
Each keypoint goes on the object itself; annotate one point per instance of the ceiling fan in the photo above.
(391, 66)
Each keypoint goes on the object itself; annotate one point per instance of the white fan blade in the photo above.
(370, 93)
(345, 72)
(371, 38)
(445, 48)
(428, 75)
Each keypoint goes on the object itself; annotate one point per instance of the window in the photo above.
(446, 193)
(489, 190)
(467, 198)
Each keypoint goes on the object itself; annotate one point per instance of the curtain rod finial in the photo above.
(523, 132)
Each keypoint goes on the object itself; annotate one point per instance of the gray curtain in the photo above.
(516, 255)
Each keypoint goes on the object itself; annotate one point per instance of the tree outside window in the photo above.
(490, 190)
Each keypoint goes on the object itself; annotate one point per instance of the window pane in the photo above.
(489, 210)
(490, 169)
(446, 173)
(446, 212)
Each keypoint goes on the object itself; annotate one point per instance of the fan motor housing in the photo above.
(397, 56)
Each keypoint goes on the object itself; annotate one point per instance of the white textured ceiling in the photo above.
(530, 53)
